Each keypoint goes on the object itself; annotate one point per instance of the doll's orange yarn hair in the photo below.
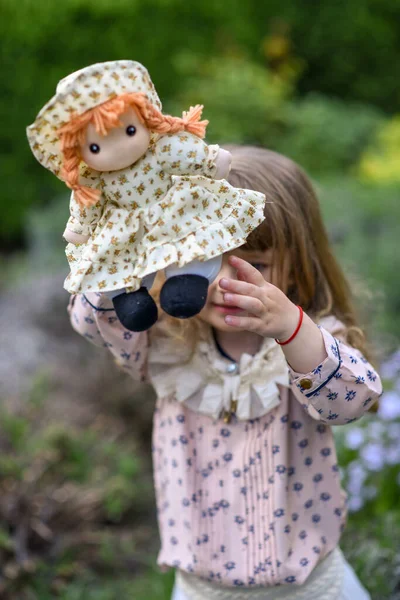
(104, 118)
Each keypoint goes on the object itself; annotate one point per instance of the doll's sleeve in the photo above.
(83, 220)
(92, 315)
(186, 154)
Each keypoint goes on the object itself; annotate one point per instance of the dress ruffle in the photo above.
(199, 218)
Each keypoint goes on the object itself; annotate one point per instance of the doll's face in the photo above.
(120, 148)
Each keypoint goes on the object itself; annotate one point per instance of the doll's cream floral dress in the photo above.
(165, 209)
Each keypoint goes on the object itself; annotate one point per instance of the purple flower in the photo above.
(373, 455)
(354, 438)
(389, 406)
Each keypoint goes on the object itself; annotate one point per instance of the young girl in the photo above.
(246, 476)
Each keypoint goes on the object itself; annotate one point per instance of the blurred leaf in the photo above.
(380, 163)
(325, 135)
(243, 101)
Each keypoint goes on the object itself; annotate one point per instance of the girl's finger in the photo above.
(244, 323)
(247, 303)
(246, 271)
(239, 287)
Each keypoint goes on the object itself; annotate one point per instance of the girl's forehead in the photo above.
(249, 254)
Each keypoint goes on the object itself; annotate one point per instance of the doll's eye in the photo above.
(130, 130)
(94, 148)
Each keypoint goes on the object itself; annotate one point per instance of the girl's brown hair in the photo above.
(294, 230)
(105, 117)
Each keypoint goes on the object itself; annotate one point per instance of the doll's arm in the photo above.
(223, 162)
(82, 220)
(186, 154)
(342, 387)
(93, 316)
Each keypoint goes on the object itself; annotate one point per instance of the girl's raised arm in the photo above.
(93, 316)
(342, 388)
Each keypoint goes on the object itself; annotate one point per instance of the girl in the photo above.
(246, 476)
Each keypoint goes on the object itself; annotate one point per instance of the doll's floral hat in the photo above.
(79, 92)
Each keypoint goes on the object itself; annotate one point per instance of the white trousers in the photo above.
(352, 588)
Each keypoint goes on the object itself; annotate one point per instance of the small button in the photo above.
(227, 416)
(232, 368)
(306, 383)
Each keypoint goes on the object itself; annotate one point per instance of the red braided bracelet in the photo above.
(296, 331)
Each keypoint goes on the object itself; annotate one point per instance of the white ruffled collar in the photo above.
(207, 382)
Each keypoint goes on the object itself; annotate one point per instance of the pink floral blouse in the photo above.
(254, 501)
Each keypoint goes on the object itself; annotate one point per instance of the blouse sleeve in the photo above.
(342, 388)
(186, 154)
(83, 220)
(92, 316)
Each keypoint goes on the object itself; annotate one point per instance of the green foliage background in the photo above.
(343, 49)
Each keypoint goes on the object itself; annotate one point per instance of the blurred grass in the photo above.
(76, 504)
(363, 223)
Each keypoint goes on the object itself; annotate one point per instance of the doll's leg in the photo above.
(184, 293)
(137, 311)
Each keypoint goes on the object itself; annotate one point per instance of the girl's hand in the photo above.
(270, 312)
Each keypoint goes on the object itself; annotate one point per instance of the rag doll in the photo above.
(147, 193)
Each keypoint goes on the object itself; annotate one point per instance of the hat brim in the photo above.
(78, 93)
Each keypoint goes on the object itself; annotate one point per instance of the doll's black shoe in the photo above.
(137, 311)
(183, 296)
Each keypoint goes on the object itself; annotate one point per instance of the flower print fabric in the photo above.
(253, 502)
(165, 209)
